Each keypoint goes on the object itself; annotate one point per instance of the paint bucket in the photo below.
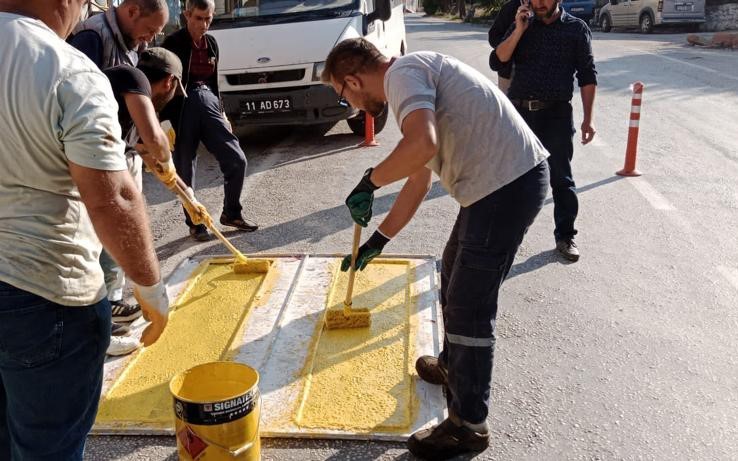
(217, 407)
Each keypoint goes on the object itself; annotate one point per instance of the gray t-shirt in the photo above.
(484, 143)
(56, 107)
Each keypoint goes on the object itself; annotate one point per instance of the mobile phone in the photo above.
(526, 3)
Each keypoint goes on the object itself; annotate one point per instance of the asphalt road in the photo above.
(627, 354)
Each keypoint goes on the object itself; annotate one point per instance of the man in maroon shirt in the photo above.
(199, 117)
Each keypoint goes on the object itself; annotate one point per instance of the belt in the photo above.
(533, 105)
(198, 85)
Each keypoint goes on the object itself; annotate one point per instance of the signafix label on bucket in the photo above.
(207, 414)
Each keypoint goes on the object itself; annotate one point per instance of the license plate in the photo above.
(684, 7)
(266, 106)
(577, 10)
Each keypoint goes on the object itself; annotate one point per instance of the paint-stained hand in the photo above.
(369, 250)
(361, 199)
(196, 211)
(154, 303)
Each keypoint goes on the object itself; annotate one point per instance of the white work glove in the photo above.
(154, 303)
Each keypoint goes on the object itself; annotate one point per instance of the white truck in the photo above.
(272, 53)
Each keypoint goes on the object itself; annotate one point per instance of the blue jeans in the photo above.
(554, 126)
(203, 121)
(115, 278)
(476, 260)
(51, 366)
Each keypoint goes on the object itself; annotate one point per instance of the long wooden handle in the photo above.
(209, 222)
(352, 271)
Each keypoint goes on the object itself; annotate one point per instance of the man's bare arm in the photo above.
(118, 213)
(147, 124)
(418, 145)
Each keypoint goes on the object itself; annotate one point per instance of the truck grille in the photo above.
(260, 78)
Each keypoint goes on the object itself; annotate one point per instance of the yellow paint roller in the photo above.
(349, 317)
(199, 215)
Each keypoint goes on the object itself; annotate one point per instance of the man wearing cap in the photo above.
(200, 117)
(115, 39)
(140, 93)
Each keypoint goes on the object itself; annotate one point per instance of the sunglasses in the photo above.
(341, 100)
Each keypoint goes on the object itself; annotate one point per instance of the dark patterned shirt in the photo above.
(202, 67)
(547, 58)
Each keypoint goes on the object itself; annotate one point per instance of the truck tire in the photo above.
(357, 123)
(646, 23)
(606, 23)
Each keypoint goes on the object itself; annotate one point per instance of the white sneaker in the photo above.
(122, 345)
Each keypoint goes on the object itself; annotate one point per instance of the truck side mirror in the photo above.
(382, 11)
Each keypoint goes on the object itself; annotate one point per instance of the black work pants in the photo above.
(554, 126)
(476, 260)
(203, 121)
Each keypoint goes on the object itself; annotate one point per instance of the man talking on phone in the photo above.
(547, 46)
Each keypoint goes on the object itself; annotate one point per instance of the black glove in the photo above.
(360, 200)
(368, 251)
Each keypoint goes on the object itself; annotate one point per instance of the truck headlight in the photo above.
(318, 70)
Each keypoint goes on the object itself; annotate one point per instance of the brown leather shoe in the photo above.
(445, 441)
(431, 371)
(568, 249)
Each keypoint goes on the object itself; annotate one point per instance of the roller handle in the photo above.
(178, 189)
(352, 270)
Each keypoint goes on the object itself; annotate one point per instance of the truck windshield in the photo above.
(280, 10)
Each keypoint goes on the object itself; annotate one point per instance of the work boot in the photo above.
(568, 249)
(431, 371)
(239, 223)
(124, 312)
(200, 233)
(122, 345)
(116, 329)
(446, 440)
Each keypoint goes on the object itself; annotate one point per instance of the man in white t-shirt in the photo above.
(64, 189)
(458, 124)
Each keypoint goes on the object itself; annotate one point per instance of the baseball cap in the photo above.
(161, 59)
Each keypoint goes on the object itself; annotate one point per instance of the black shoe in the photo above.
(445, 441)
(239, 223)
(116, 329)
(568, 249)
(431, 371)
(124, 312)
(200, 233)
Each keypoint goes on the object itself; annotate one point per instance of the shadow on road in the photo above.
(313, 227)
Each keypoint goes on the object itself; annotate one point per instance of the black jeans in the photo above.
(476, 260)
(203, 121)
(554, 126)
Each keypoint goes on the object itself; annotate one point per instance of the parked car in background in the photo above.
(582, 9)
(647, 14)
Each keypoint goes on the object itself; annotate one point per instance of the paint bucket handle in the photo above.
(241, 449)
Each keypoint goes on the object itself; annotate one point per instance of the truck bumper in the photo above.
(310, 105)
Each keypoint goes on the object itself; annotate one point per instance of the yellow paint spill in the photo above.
(208, 318)
(358, 379)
